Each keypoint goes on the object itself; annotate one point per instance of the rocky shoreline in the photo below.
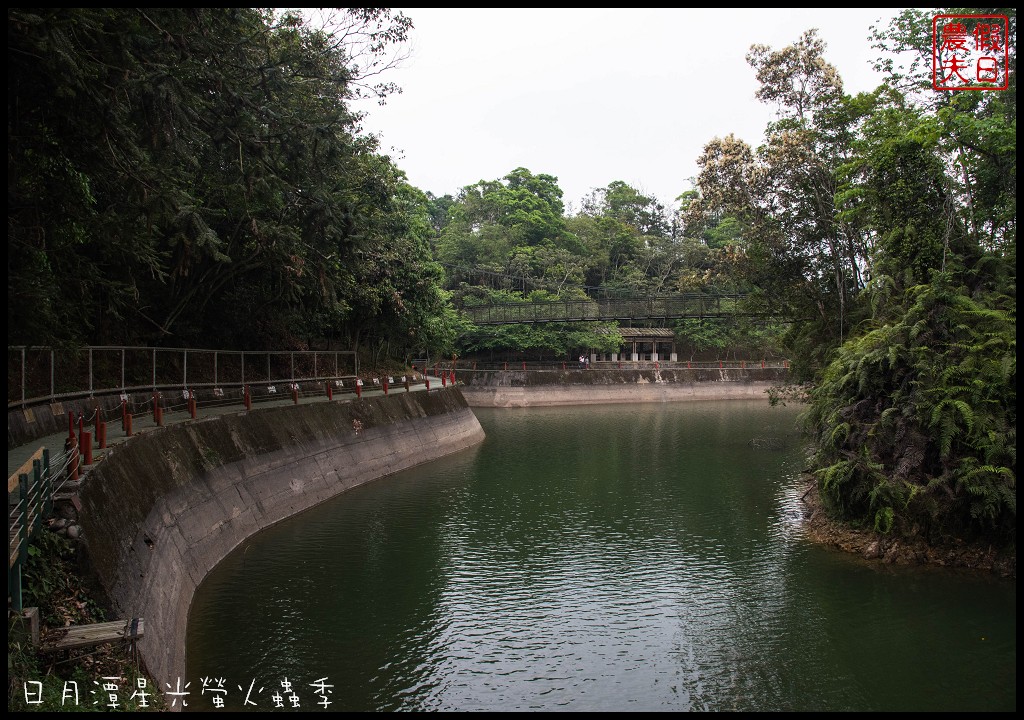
(899, 551)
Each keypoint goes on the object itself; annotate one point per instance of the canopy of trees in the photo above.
(197, 177)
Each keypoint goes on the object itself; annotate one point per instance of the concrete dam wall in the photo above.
(537, 388)
(159, 513)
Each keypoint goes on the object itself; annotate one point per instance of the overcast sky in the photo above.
(592, 96)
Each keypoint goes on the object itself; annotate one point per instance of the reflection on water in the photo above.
(644, 557)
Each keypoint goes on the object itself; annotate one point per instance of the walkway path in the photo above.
(16, 457)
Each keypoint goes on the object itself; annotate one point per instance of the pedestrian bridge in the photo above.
(691, 305)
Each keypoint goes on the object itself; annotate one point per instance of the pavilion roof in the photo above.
(641, 333)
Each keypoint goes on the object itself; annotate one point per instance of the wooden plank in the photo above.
(81, 636)
(26, 469)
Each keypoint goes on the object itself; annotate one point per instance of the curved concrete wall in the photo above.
(162, 511)
(591, 387)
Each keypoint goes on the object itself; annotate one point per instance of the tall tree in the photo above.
(807, 257)
(168, 168)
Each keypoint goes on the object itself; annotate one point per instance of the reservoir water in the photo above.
(640, 557)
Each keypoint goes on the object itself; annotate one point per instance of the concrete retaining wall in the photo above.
(162, 511)
(591, 387)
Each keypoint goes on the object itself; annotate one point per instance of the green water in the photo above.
(642, 557)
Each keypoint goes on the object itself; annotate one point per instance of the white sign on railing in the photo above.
(271, 388)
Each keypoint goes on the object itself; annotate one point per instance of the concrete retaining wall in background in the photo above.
(497, 388)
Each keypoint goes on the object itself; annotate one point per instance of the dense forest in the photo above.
(199, 178)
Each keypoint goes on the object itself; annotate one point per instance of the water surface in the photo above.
(640, 557)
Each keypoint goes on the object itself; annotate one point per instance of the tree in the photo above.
(807, 257)
(645, 215)
(915, 416)
(165, 164)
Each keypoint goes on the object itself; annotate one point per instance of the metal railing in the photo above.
(30, 492)
(38, 374)
(692, 305)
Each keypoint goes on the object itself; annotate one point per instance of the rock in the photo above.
(74, 531)
(872, 551)
(904, 551)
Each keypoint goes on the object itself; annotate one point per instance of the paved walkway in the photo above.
(143, 423)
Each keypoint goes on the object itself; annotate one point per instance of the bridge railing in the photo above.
(30, 492)
(38, 374)
(693, 305)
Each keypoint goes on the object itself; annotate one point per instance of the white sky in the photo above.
(592, 96)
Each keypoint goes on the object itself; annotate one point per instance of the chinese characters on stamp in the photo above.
(969, 52)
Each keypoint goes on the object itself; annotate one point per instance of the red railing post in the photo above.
(101, 435)
(71, 445)
(87, 447)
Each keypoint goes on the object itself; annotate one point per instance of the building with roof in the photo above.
(653, 344)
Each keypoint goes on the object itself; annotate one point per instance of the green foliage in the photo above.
(50, 578)
(916, 419)
(883, 228)
(197, 177)
(52, 584)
